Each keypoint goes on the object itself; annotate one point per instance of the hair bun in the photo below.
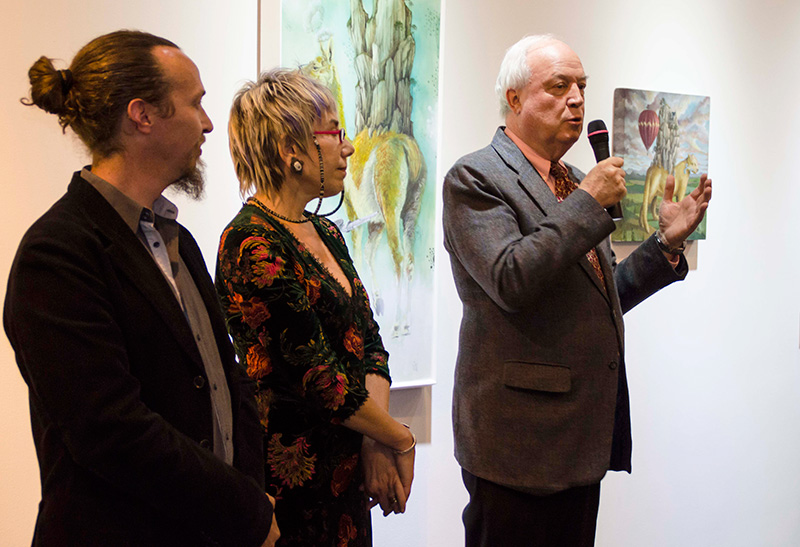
(66, 80)
(49, 87)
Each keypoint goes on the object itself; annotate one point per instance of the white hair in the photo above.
(514, 70)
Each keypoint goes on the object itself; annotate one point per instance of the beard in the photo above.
(192, 182)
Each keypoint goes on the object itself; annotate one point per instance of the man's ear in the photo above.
(512, 97)
(140, 114)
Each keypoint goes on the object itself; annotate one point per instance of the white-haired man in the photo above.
(540, 406)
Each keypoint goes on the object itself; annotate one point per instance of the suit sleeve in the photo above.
(482, 231)
(645, 271)
(62, 321)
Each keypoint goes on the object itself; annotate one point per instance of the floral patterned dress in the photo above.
(309, 345)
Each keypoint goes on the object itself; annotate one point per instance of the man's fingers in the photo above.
(706, 188)
(669, 188)
(616, 161)
(701, 187)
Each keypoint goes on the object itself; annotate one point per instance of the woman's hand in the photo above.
(274, 533)
(405, 471)
(381, 480)
(387, 475)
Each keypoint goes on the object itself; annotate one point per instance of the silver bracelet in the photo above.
(671, 250)
(410, 448)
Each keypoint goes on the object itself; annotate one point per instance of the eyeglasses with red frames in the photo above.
(339, 132)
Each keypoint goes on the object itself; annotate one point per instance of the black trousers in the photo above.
(497, 516)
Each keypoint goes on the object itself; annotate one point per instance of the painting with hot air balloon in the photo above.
(658, 134)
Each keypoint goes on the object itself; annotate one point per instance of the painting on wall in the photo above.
(658, 134)
(380, 58)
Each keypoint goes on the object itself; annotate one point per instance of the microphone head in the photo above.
(597, 132)
(598, 137)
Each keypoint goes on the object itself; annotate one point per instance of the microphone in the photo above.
(598, 137)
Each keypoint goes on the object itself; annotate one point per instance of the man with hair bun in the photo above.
(540, 403)
(145, 426)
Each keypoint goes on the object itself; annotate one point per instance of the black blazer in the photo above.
(120, 408)
(540, 377)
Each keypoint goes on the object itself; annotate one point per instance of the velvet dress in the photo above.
(309, 346)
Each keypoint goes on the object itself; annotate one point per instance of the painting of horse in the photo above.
(382, 69)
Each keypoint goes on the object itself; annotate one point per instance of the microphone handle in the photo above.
(615, 211)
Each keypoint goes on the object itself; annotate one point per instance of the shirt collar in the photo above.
(127, 208)
(542, 165)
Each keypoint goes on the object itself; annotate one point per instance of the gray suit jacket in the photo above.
(540, 393)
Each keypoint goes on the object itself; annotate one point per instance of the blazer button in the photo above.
(199, 382)
(612, 365)
(205, 443)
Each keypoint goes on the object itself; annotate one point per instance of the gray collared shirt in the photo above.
(158, 231)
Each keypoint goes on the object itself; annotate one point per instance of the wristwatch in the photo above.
(671, 250)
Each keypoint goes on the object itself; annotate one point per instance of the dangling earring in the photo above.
(297, 165)
(321, 177)
(322, 185)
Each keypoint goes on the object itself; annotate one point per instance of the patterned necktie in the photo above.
(564, 186)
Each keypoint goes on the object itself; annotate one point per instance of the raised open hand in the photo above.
(677, 220)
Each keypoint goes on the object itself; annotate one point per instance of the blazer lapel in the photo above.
(528, 177)
(196, 266)
(589, 270)
(133, 260)
(533, 184)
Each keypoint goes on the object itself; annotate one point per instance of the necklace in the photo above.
(267, 210)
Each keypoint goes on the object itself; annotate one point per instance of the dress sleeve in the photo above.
(376, 358)
(269, 304)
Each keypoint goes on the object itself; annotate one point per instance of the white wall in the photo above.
(713, 362)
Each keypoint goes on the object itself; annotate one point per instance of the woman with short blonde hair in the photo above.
(301, 321)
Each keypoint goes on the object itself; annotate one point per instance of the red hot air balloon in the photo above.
(648, 127)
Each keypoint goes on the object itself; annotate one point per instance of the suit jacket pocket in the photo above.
(537, 376)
